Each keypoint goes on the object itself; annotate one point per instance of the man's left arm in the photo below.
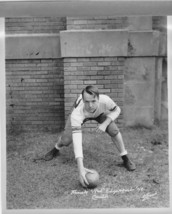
(112, 114)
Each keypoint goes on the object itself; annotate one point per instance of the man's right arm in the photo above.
(77, 146)
(76, 121)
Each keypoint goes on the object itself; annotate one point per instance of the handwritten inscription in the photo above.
(148, 195)
(75, 192)
(102, 196)
(111, 191)
(103, 193)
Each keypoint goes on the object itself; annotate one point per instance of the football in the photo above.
(92, 178)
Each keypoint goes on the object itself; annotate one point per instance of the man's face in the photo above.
(91, 102)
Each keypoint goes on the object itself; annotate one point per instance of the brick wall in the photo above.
(111, 22)
(107, 73)
(56, 24)
(34, 87)
(35, 24)
(35, 95)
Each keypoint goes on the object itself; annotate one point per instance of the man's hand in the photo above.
(82, 176)
(101, 128)
(82, 172)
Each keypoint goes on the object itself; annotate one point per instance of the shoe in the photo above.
(129, 165)
(51, 154)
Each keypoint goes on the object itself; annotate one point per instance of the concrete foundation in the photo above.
(144, 43)
(139, 90)
(32, 46)
(93, 43)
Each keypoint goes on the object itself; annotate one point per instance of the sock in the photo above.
(56, 145)
(123, 153)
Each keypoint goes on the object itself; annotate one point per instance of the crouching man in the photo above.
(91, 105)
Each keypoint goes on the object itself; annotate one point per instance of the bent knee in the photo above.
(66, 140)
(112, 129)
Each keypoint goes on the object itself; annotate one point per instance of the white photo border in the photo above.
(67, 8)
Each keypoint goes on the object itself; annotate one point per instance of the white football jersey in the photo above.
(79, 115)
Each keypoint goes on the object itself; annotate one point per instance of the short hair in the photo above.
(92, 90)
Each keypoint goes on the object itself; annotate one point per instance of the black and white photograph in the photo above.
(86, 108)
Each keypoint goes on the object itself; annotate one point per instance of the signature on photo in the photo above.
(103, 193)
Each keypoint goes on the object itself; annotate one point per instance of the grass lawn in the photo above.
(54, 184)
